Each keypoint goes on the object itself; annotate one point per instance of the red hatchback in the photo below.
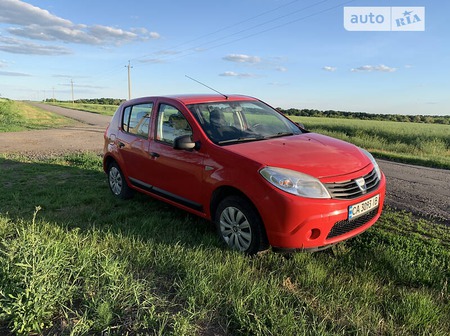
(262, 179)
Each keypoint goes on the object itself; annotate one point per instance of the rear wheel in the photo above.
(117, 183)
(239, 225)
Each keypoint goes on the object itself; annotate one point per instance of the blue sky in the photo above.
(285, 52)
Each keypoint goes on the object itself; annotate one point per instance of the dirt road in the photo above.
(422, 191)
(85, 135)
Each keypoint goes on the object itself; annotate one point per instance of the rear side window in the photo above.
(136, 119)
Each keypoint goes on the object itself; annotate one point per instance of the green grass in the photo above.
(423, 144)
(94, 108)
(19, 116)
(84, 262)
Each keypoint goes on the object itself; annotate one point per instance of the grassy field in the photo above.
(423, 144)
(415, 143)
(74, 260)
(19, 116)
(94, 108)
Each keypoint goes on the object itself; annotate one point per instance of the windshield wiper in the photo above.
(237, 140)
(279, 134)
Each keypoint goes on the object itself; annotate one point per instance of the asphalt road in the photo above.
(423, 191)
(420, 190)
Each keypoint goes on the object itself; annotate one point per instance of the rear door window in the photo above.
(136, 119)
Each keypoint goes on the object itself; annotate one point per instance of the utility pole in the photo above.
(129, 79)
(73, 100)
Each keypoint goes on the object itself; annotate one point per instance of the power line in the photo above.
(233, 25)
(243, 30)
(116, 68)
(266, 22)
(193, 51)
(282, 25)
(221, 41)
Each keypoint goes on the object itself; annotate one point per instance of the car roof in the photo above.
(197, 98)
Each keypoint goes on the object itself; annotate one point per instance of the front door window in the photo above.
(171, 124)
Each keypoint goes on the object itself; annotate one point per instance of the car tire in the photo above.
(240, 226)
(117, 183)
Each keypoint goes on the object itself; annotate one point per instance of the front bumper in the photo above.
(296, 223)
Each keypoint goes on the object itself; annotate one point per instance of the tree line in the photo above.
(445, 120)
(100, 101)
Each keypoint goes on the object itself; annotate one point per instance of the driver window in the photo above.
(171, 124)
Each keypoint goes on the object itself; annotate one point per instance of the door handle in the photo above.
(154, 155)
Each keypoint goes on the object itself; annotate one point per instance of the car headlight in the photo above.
(375, 164)
(294, 182)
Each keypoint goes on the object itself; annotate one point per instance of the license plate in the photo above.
(363, 207)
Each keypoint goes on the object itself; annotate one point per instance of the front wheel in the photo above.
(239, 225)
(117, 183)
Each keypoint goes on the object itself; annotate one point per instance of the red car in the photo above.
(261, 178)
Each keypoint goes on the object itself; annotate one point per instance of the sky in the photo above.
(289, 53)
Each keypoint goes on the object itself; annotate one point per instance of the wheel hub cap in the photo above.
(235, 229)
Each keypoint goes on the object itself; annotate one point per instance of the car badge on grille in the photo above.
(361, 184)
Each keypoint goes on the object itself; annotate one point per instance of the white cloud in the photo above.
(270, 63)
(239, 58)
(372, 68)
(54, 33)
(85, 86)
(167, 52)
(145, 34)
(13, 74)
(22, 13)
(152, 60)
(68, 76)
(329, 68)
(229, 74)
(38, 24)
(237, 74)
(16, 46)
(278, 84)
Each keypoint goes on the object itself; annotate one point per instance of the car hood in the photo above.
(310, 153)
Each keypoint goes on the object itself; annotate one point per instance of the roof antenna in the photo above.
(226, 97)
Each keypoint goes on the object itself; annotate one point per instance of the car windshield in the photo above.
(241, 121)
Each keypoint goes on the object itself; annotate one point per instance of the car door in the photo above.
(176, 174)
(133, 143)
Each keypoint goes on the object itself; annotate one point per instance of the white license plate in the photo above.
(363, 207)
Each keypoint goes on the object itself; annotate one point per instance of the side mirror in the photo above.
(300, 125)
(184, 142)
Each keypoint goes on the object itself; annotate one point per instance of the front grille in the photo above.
(350, 189)
(344, 226)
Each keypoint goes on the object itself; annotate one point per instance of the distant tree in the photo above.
(445, 120)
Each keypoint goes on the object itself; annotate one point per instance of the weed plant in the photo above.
(74, 260)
